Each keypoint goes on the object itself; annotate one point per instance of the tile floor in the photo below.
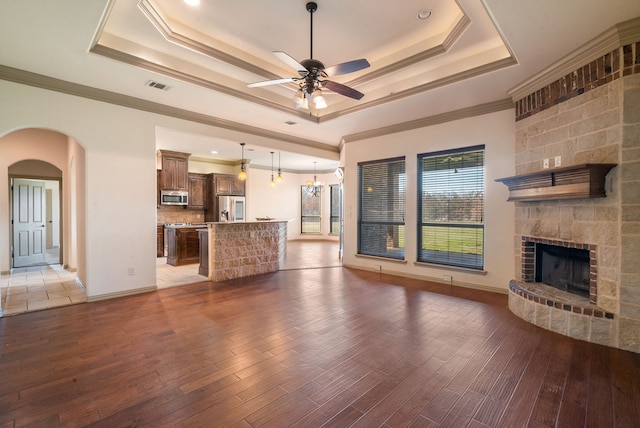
(39, 287)
(42, 287)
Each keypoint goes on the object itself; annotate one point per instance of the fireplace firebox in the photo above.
(568, 266)
(564, 268)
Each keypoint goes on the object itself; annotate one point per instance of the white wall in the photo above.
(496, 132)
(284, 200)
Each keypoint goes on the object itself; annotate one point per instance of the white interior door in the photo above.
(29, 222)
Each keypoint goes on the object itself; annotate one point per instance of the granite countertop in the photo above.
(266, 220)
(202, 225)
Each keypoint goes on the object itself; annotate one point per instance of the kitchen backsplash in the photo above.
(174, 214)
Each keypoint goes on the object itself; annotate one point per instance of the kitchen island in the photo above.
(239, 249)
(182, 243)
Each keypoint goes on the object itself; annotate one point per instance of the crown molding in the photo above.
(448, 80)
(455, 33)
(188, 78)
(492, 107)
(62, 86)
(619, 35)
(155, 17)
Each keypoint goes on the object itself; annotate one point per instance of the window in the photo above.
(311, 211)
(451, 209)
(381, 208)
(334, 219)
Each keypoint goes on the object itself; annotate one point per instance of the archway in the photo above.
(50, 155)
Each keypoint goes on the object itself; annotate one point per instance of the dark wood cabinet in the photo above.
(220, 185)
(183, 245)
(228, 185)
(197, 191)
(174, 174)
(203, 268)
(160, 241)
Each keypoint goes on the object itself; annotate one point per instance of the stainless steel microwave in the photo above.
(174, 197)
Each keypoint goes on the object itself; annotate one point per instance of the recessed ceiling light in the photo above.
(213, 152)
(424, 14)
(192, 2)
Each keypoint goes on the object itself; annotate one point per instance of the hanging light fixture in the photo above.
(273, 182)
(243, 171)
(279, 178)
(314, 188)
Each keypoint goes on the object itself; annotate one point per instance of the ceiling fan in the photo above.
(312, 72)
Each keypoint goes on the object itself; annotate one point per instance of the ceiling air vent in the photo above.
(158, 85)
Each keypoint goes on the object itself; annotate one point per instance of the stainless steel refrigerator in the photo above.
(231, 208)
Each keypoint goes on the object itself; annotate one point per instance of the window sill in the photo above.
(386, 259)
(449, 268)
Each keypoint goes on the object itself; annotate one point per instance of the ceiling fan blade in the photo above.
(271, 82)
(342, 89)
(284, 57)
(346, 67)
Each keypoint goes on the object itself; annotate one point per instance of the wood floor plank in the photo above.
(307, 348)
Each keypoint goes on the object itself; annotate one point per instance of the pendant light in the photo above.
(243, 171)
(273, 182)
(279, 178)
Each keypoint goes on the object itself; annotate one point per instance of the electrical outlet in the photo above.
(447, 279)
(545, 163)
(377, 268)
(558, 161)
(132, 270)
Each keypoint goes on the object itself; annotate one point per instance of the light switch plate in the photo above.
(558, 161)
(545, 163)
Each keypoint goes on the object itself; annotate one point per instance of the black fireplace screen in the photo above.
(563, 268)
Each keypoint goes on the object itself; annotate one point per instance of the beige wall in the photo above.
(496, 132)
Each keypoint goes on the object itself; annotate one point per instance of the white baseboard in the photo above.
(121, 294)
(462, 284)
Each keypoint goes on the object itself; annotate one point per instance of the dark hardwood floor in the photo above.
(327, 347)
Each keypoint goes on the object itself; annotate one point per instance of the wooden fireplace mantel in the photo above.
(571, 182)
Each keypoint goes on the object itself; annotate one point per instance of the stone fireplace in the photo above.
(585, 114)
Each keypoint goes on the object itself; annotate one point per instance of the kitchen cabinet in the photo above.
(183, 245)
(174, 174)
(228, 185)
(203, 268)
(220, 185)
(197, 191)
(159, 241)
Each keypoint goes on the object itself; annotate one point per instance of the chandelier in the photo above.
(314, 188)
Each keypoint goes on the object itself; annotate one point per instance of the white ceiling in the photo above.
(469, 52)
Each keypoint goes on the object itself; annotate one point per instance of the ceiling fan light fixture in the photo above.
(318, 99)
(301, 100)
